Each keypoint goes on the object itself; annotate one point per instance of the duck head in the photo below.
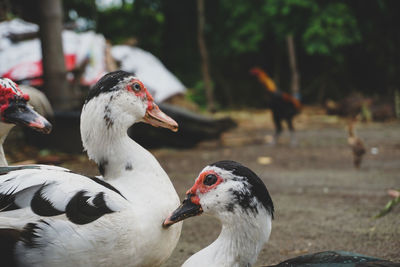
(14, 108)
(122, 100)
(226, 190)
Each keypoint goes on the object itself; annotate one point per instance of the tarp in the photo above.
(161, 83)
(22, 60)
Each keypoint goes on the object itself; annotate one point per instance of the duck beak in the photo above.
(23, 114)
(185, 210)
(155, 117)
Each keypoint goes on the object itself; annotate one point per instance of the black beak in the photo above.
(185, 210)
(22, 114)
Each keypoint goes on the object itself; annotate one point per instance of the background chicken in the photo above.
(356, 144)
(283, 105)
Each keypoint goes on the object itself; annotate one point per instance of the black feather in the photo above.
(107, 83)
(7, 201)
(107, 185)
(257, 188)
(29, 235)
(8, 239)
(43, 206)
(80, 211)
(102, 166)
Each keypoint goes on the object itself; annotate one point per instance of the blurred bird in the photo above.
(283, 105)
(356, 144)
(38, 100)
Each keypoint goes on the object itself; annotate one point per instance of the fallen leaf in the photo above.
(264, 160)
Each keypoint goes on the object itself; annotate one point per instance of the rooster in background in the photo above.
(283, 105)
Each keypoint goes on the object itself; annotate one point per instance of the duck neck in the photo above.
(240, 241)
(5, 128)
(107, 143)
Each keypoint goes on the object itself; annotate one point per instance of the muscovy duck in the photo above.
(15, 110)
(236, 196)
(54, 217)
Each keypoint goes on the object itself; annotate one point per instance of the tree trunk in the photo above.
(295, 81)
(204, 57)
(55, 83)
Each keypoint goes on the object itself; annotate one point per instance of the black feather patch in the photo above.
(128, 166)
(8, 239)
(29, 235)
(107, 83)
(105, 184)
(102, 166)
(257, 187)
(107, 117)
(42, 206)
(7, 202)
(80, 211)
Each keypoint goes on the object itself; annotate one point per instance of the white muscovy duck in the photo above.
(66, 219)
(15, 110)
(236, 196)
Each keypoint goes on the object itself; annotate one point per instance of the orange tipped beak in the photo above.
(155, 117)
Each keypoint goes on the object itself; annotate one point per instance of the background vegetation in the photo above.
(341, 46)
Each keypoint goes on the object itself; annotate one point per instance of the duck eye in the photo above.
(136, 87)
(210, 179)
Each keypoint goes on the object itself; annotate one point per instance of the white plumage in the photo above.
(90, 221)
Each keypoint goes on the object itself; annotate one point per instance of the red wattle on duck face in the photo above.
(200, 187)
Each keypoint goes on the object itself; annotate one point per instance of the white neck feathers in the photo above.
(238, 244)
(104, 127)
(5, 128)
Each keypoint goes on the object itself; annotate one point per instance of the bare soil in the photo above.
(322, 202)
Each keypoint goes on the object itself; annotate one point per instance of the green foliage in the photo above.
(388, 207)
(323, 26)
(242, 27)
(334, 26)
(196, 94)
(127, 21)
(340, 45)
(83, 8)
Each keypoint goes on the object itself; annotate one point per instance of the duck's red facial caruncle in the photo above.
(154, 116)
(10, 92)
(206, 181)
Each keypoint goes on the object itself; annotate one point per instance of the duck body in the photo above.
(66, 219)
(63, 227)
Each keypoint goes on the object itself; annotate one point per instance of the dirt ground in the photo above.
(321, 201)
